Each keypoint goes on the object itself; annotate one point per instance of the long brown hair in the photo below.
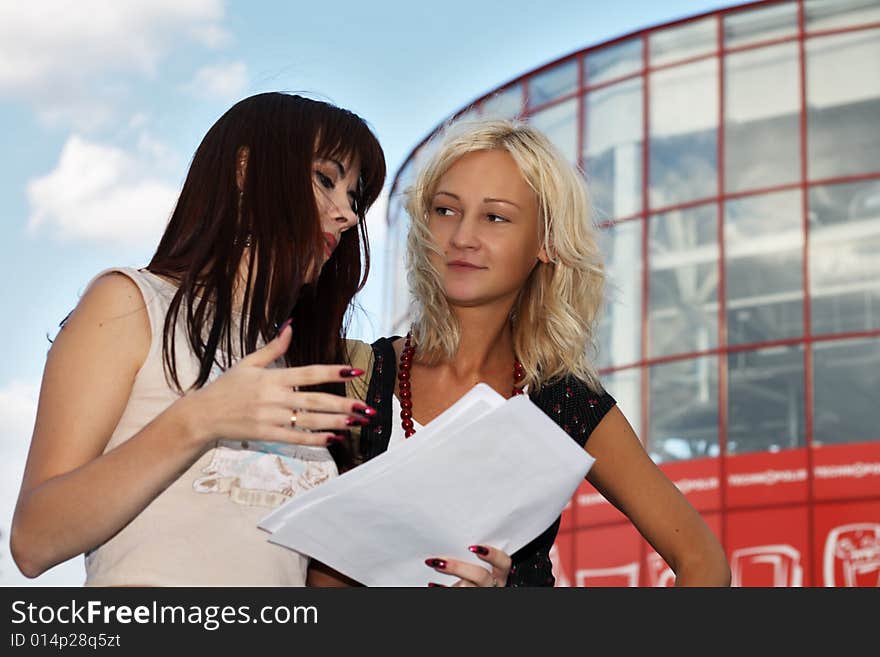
(275, 217)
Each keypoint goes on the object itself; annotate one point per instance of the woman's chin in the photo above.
(466, 300)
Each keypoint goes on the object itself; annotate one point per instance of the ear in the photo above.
(241, 166)
(542, 255)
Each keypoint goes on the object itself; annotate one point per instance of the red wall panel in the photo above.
(847, 544)
(846, 471)
(767, 478)
(769, 547)
(607, 556)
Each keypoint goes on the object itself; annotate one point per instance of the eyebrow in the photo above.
(335, 162)
(488, 199)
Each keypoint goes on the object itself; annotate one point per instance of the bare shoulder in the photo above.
(112, 313)
(614, 432)
(88, 377)
(113, 296)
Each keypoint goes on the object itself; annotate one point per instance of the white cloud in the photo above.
(153, 148)
(211, 35)
(101, 193)
(61, 56)
(222, 81)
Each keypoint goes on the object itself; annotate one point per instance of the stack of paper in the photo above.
(486, 471)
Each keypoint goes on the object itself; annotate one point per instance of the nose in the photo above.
(340, 210)
(465, 234)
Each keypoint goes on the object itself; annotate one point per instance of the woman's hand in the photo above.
(472, 575)
(253, 401)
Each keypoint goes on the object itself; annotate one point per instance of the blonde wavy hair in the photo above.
(555, 316)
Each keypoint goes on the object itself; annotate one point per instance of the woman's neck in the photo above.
(485, 344)
(485, 354)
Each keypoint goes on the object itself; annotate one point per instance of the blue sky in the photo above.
(105, 103)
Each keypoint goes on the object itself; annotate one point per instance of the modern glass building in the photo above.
(734, 164)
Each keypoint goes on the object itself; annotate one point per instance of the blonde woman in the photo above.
(507, 280)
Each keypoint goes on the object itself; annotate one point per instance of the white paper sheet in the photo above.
(486, 471)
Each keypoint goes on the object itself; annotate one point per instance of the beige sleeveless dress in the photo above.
(202, 529)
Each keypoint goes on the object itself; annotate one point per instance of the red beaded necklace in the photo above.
(406, 358)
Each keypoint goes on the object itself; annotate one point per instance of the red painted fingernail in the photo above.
(479, 549)
(364, 409)
(287, 322)
(336, 438)
(436, 563)
(350, 372)
(356, 421)
(436, 584)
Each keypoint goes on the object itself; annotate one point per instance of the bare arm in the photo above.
(631, 481)
(73, 496)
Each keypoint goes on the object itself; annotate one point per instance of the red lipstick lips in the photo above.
(329, 243)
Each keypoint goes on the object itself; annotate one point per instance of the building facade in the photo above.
(733, 159)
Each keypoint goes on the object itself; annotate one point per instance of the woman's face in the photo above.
(335, 184)
(484, 217)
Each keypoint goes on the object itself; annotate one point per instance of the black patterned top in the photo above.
(569, 402)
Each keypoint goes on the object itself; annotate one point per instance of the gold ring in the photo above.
(293, 420)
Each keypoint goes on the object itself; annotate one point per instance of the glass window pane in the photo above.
(844, 265)
(613, 143)
(829, 14)
(624, 58)
(560, 123)
(553, 83)
(683, 284)
(684, 410)
(626, 388)
(684, 133)
(762, 118)
(684, 41)
(763, 24)
(763, 250)
(846, 378)
(765, 407)
(504, 104)
(843, 100)
(620, 332)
